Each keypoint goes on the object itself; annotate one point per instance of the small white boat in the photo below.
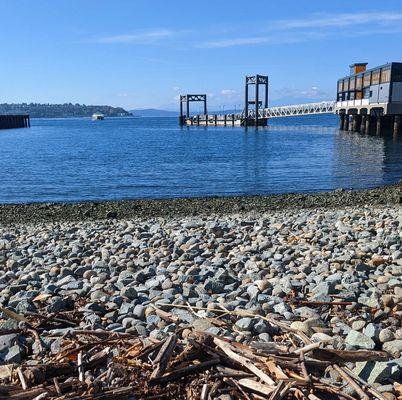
(98, 116)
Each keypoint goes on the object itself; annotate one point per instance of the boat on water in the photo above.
(97, 116)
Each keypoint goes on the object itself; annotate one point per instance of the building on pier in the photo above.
(371, 99)
(377, 91)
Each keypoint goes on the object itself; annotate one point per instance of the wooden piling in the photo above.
(225, 119)
(14, 121)
(368, 124)
(352, 123)
(216, 120)
(363, 124)
(358, 122)
(379, 125)
(346, 123)
(341, 121)
(397, 124)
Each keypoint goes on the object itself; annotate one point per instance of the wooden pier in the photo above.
(222, 120)
(14, 121)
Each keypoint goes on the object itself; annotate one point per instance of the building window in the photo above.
(359, 82)
(375, 77)
(352, 83)
(397, 73)
(340, 86)
(386, 75)
(366, 93)
(345, 85)
(367, 79)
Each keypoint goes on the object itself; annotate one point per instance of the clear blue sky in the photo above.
(137, 53)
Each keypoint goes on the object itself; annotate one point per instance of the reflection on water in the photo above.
(78, 159)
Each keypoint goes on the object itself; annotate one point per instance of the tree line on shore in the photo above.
(36, 110)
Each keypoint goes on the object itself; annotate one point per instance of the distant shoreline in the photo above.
(183, 207)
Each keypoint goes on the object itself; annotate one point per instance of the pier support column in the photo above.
(368, 124)
(397, 124)
(352, 126)
(363, 124)
(379, 125)
(357, 122)
(346, 123)
(341, 121)
(351, 123)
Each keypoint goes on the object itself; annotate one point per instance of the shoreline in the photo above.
(181, 207)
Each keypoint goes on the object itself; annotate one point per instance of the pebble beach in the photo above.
(270, 260)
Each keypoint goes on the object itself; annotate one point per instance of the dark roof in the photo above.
(391, 64)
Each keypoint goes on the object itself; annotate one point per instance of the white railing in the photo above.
(323, 107)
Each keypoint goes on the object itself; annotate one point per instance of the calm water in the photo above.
(80, 159)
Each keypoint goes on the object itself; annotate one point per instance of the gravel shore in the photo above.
(288, 264)
(127, 209)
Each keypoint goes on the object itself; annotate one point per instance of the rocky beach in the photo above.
(321, 270)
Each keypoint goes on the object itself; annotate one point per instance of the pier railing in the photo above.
(324, 107)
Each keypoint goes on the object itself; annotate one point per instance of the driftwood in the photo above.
(104, 365)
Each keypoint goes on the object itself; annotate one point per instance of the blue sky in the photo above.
(140, 54)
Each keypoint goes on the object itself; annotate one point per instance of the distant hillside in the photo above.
(152, 112)
(67, 110)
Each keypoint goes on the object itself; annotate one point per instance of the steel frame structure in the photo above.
(256, 80)
(189, 98)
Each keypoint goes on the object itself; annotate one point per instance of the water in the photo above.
(80, 159)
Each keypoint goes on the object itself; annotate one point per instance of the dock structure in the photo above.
(368, 101)
(14, 121)
(249, 116)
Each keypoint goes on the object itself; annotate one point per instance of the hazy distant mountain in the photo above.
(66, 110)
(153, 112)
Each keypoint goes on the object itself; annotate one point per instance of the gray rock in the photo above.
(7, 341)
(13, 355)
(378, 372)
(202, 325)
(129, 292)
(139, 311)
(359, 340)
(394, 347)
(372, 331)
(214, 286)
(386, 335)
(244, 324)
